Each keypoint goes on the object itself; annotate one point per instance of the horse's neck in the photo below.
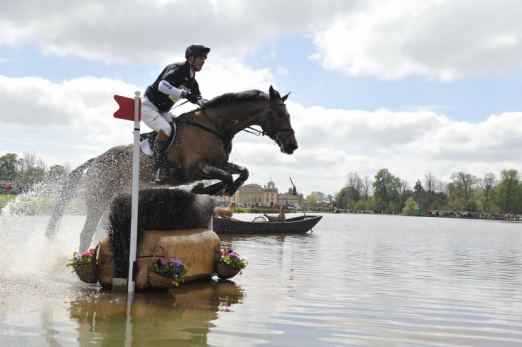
(247, 114)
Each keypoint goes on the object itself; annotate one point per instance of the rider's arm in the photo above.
(167, 88)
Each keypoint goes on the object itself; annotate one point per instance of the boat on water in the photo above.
(296, 225)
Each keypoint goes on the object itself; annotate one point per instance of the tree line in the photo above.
(464, 192)
(30, 169)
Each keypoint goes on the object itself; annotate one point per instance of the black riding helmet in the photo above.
(196, 50)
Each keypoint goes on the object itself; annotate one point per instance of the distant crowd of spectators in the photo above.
(13, 188)
(477, 215)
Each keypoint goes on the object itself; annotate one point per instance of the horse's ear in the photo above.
(285, 97)
(271, 92)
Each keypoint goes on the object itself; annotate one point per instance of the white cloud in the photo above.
(443, 39)
(149, 31)
(282, 71)
(72, 121)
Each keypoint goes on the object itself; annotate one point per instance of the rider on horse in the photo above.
(174, 82)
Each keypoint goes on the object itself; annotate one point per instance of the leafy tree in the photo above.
(470, 206)
(409, 208)
(33, 175)
(361, 206)
(340, 198)
(320, 195)
(56, 172)
(463, 185)
(418, 187)
(387, 187)
(377, 204)
(508, 194)
(9, 167)
(435, 206)
(312, 199)
(394, 206)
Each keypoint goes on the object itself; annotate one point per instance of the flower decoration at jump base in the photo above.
(229, 264)
(174, 269)
(81, 258)
(84, 264)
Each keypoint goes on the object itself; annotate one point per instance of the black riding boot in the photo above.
(158, 174)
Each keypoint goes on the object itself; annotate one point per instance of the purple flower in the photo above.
(230, 251)
(175, 263)
(161, 263)
(175, 276)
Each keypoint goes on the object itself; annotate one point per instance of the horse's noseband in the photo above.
(269, 127)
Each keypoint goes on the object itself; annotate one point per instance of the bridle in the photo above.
(269, 127)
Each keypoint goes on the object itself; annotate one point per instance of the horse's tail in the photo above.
(68, 189)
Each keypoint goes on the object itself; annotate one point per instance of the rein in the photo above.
(268, 118)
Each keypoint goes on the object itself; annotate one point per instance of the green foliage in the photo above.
(470, 206)
(9, 167)
(340, 198)
(387, 187)
(232, 259)
(394, 207)
(361, 206)
(434, 206)
(409, 208)
(312, 199)
(4, 199)
(56, 172)
(33, 175)
(508, 194)
(418, 187)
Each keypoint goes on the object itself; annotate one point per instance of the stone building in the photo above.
(254, 194)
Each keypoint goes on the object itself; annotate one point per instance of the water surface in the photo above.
(357, 280)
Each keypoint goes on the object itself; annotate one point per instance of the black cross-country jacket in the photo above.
(178, 75)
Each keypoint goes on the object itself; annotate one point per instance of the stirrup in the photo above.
(158, 177)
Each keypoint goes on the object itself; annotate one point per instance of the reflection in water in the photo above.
(182, 316)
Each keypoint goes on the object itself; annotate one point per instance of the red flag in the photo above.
(126, 110)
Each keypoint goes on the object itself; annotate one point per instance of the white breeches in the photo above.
(154, 120)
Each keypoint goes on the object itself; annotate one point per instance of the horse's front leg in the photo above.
(205, 171)
(243, 176)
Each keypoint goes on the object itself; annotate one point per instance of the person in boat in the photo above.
(176, 81)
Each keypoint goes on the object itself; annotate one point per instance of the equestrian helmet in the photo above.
(196, 50)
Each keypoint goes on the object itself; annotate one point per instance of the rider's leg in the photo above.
(158, 122)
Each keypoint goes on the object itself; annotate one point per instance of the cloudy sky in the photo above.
(412, 86)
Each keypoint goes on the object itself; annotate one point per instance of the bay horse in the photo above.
(200, 151)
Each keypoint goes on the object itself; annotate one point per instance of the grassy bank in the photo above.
(4, 199)
(33, 205)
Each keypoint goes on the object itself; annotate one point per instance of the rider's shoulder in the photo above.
(174, 68)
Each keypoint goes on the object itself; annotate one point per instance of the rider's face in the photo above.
(198, 63)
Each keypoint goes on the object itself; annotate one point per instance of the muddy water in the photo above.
(358, 280)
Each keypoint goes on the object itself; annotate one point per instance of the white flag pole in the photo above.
(135, 191)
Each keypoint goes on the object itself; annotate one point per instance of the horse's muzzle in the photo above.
(289, 148)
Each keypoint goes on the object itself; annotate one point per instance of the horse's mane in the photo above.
(247, 95)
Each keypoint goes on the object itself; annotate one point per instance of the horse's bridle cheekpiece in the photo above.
(268, 123)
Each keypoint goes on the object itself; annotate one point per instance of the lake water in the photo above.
(357, 280)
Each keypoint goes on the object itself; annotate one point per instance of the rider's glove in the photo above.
(202, 101)
(190, 97)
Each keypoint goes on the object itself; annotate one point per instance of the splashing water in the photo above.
(31, 263)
